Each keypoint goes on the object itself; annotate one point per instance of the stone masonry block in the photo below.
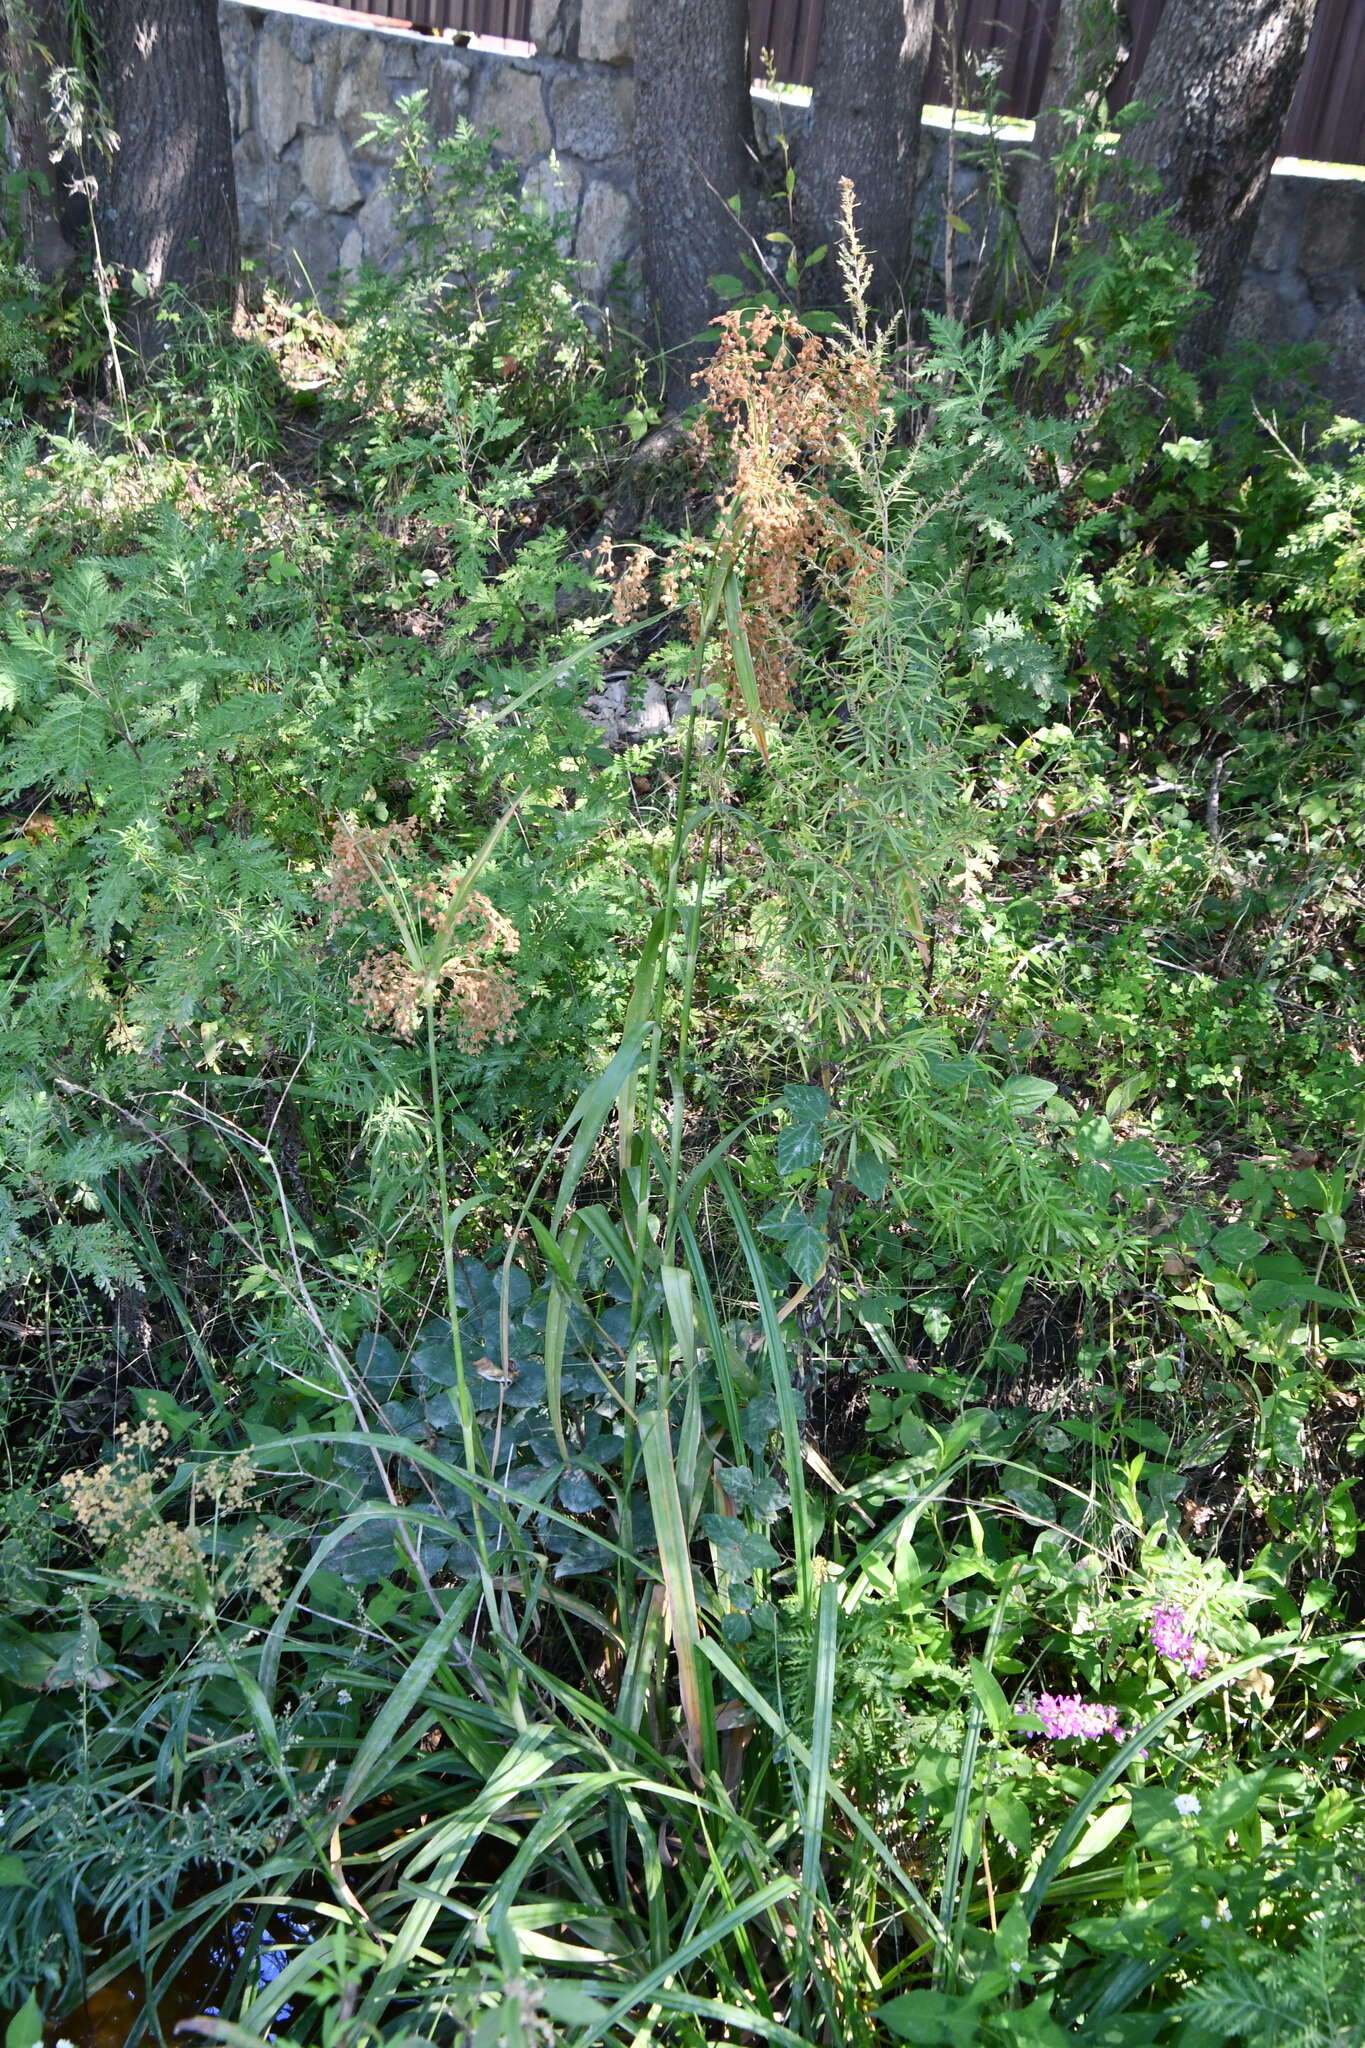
(511, 102)
(284, 93)
(592, 117)
(605, 32)
(327, 173)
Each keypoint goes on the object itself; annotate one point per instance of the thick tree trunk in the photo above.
(1219, 78)
(865, 126)
(33, 43)
(167, 208)
(693, 130)
(1090, 45)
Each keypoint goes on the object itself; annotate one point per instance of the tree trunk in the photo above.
(167, 209)
(1219, 78)
(865, 126)
(33, 43)
(1089, 48)
(693, 131)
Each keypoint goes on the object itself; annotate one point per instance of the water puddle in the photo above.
(110, 2015)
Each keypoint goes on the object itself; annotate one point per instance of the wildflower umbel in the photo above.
(1066, 1717)
(453, 964)
(786, 404)
(1173, 1640)
(117, 1505)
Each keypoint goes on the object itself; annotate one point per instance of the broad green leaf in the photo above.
(868, 1175)
(805, 1105)
(798, 1146)
(807, 1249)
(1026, 1093)
(1105, 1828)
(378, 1365)
(988, 1690)
(1238, 1243)
(25, 2030)
(740, 1551)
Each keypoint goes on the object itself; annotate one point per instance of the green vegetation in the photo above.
(702, 1387)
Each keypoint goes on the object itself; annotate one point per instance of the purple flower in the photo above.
(1174, 1641)
(1067, 1717)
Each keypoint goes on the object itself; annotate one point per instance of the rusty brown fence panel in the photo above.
(1002, 42)
(506, 18)
(1014, 38)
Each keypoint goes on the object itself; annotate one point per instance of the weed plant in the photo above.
(710, 1391)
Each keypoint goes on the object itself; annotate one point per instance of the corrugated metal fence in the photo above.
(1326, 121)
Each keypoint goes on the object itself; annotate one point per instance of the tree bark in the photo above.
(693, 155)
(167, 207)
(865, 126)
(33, 42)
(1219, 78)
(1090, 45)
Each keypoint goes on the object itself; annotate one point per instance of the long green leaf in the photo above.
(817, 1778)
(675, 1562)
(708, 1938)
(788, 1420)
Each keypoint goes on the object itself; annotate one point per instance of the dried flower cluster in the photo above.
(115, 1505)
(786, 403)
(452, 964)
(360, 854)
(630, 593)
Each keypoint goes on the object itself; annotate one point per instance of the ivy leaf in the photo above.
(739, 1551)
(806, 1248)
(378, 1364)
(868, 1175)
(805, 1105)
(757, 1491)
(578, 1495)
(798, 1146)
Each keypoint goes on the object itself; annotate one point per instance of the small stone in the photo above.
(592, 117)
(352, 252)
(284, 94)
(606, 235)
(651, 716)
(511, 108)
(327, 173)
(605, 33)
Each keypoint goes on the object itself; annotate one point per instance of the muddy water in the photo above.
(111, 2016)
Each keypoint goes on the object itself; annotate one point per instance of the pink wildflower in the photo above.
(1067, 1717)
(1174, 1641)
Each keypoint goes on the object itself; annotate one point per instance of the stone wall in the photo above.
(303, 88)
